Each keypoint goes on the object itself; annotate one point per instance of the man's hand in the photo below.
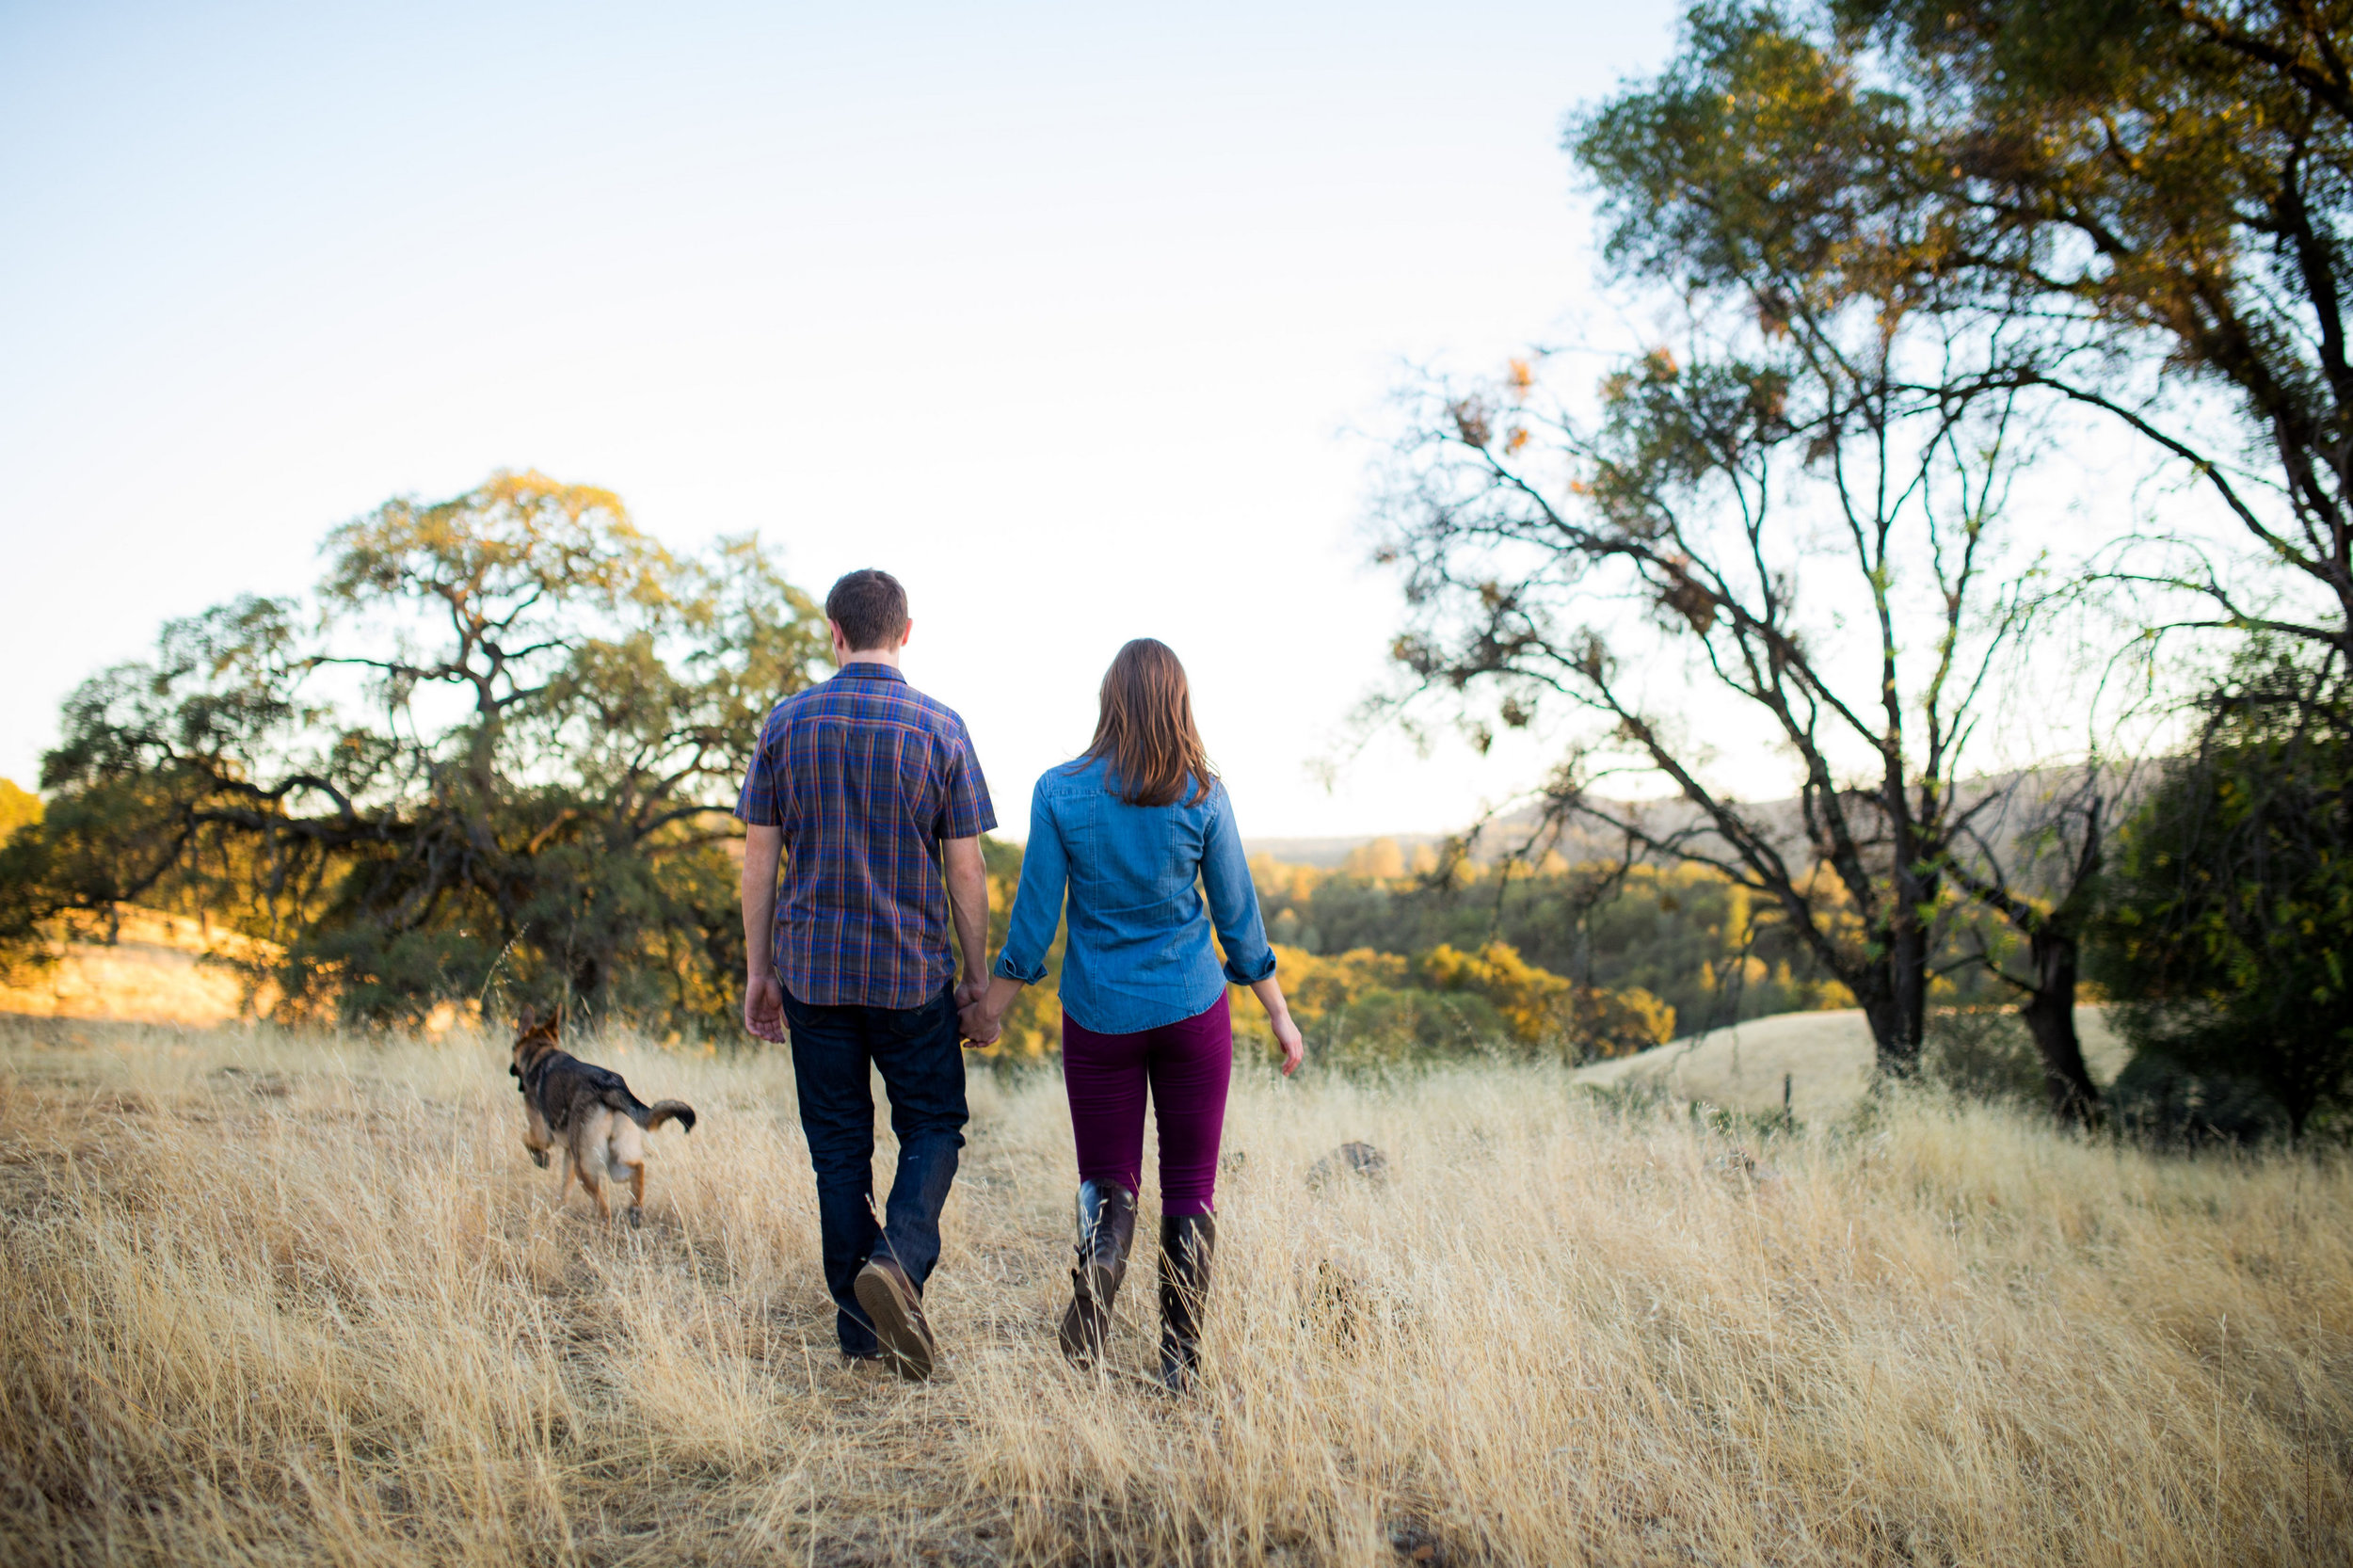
(980, 1027)
(763, 1007)
(973, 1024)
(983, 1019)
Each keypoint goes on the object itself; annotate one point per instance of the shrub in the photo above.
(1983, 1054)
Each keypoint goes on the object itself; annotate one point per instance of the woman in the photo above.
(1134, 829)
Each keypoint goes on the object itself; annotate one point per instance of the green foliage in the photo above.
(2157, 1100)
(1763, 156)
(1364, 1009)
(1829, 418)
(1983, 1053)
(2230, 920)
(1541, 1009)
(2143, 202)
(1386, 1027)
(24, 910)
(495, 753)
(1695, 941)
(2130, 208)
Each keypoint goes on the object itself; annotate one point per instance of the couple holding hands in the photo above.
(868, 792)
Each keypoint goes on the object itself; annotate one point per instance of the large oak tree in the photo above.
(498, 746)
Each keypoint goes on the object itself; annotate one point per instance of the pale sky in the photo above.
(1063, 314)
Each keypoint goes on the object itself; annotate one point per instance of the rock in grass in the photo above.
(1361, 1161)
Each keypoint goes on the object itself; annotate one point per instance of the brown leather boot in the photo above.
(1106, 1227)
(1187, 1242)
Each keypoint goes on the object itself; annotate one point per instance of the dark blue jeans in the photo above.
(918, 1051)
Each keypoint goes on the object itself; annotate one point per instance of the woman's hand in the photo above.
(976, 1026)
(1278, 1015)
(1288, 1037)
(981, 1019)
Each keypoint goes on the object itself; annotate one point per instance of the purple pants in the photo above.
(1188, 1064)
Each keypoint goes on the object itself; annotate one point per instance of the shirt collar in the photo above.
(872, 669)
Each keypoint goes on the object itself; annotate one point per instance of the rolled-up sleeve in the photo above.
(1037, 905)
(1234, 900)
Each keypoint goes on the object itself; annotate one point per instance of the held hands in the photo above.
(984, 1014)
(977, 1025)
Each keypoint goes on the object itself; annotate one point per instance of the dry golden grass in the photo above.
(274, 1300)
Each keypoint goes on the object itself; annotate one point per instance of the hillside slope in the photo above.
(155, 971)
(1826, 1055)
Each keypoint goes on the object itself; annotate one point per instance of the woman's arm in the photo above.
(1234, 898)
(1234, 910)
(1036, 911)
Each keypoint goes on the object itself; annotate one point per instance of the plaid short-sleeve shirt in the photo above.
(865, 774)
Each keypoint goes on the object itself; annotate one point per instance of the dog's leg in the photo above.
(636, 1193)
(595, 1189)
(576, 1161)
(566, 1192)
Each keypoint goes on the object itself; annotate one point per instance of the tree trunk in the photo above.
(1895, 997)
(1893, 1017)
(1908, 966)
(2050, 1017)
(1905, 964)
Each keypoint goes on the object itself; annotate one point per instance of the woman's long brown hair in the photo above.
(1145, 729)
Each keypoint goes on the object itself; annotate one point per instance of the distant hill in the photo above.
(154, 971)
(1328, 854)
(1827, 1057)
(1782, 819)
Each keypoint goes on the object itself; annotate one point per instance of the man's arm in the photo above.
(967, 902)
(763, 996)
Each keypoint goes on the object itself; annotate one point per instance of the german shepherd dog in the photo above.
(604, 1126)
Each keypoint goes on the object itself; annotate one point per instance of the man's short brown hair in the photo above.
(870, 608)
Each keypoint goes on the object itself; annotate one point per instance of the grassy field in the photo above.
(277, 1299)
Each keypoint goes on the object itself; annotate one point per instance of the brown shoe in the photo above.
(896, 1311)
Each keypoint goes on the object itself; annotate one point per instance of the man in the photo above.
(871, 792)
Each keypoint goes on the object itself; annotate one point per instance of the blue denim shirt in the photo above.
(1138, 954)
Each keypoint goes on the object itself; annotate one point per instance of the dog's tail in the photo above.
(651, 1117)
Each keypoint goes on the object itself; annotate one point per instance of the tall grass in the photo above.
(305, 1300)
